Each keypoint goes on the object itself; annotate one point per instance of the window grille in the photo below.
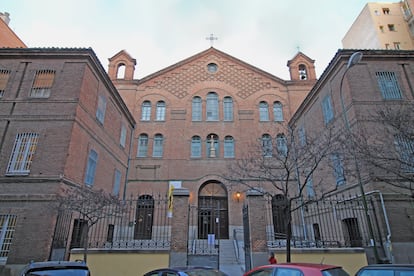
(278, 111)
(157, 150)
(263, 111)
(388, 84)
(228, 147)
(4, 78)
(196, 146)
(7, 229)
(42, 83)
(281, 144)
(196, 109)
(267, 146)
(405, 148)
(22, 154)
(212, 107)
(146, 111)
(160, 113)
(142, 145)
(228, 108)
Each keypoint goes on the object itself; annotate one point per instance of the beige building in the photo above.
(381, 26)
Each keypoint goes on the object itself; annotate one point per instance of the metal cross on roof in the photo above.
(211, 38)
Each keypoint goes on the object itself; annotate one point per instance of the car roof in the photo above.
(388, 266)
(34, 265)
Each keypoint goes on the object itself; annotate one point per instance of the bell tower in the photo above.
(301, 68)
(121, 66)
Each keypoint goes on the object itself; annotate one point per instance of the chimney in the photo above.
(5, 17)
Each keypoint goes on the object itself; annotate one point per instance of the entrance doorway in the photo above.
(213, 211)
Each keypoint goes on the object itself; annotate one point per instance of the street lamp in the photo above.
(354, 59)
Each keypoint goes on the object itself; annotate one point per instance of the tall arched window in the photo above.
(196, 146)
(303, 74)
(212, 145)
(281, 144)
(228, 147)
(264, 111)
(160, 112)
(142, 145)
(157, 148)
(228, 108)
(196, 109)
(212, 113)
(278, 111)
(267, 146)
(146, 111)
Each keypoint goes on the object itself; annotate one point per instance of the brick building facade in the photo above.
(62, 124)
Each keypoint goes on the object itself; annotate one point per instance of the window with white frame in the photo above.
(117, 182)
(196, 147)
(42, 83)
(388, 84)
(160, 111)
(228, 147)
(338, 167)
(327, 109)
(146, 111)
(100, 111)
(7, 228)
(281, 144)
(263, 111)
(405, 148)
(212, 104)
(278, 111)
(22, 154)
(196, 109)
(4, 79)
(91, 168)
(157, 149)
(267, 146)
(142, 145)
(122, 138)
(228, 108)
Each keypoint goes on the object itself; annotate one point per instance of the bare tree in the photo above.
(91, 205)
(287, 168)
(387, 147)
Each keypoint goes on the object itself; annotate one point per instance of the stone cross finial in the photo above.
(211, 38)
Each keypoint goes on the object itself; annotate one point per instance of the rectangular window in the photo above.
(42, 83)
(338, 167)
(91, 168)
(228, 109)
(196, 109)
(22, 154)
(381, 28)
(388, 84)
(387, 46)
(327, 109)
(391, 27)
(309, 187)
(117, 182)
(386, 11)
(122, 139)
(196, 147)
(4, 79)
(7, 229)
(100, 111)
(397, 45)
(405, 148)
(302, 136)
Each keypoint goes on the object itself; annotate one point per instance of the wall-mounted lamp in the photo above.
(238, 196)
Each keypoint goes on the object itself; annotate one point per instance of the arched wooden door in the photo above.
(213, 211)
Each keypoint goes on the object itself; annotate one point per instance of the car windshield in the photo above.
(335, 272)
(59, 272)
(386, 272)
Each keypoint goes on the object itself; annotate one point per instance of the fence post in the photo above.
(179, 227)
(257, 221)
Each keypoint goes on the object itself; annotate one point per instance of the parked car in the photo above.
(297, 269)
(186, 271)
(56, 268)
(386, 270)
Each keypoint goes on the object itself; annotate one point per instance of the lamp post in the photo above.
(354, 59)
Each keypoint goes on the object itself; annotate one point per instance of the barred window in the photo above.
(42, 83)
(4, 78)
(7, 229)
(228, 147)
(100, 111)
(142, 145)
(267, 146)
(228, 108)
(405, 148)
(278, 111)
(281, 144)
(196, 146)
(91, 168)
(22, 154)
(160, 112)
(196, 109)
(157, 149)
(388, 84)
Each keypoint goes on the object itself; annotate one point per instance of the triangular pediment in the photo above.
(123, 55)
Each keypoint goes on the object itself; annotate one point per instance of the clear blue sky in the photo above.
(159, 33)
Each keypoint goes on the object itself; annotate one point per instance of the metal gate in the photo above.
(247, 247)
